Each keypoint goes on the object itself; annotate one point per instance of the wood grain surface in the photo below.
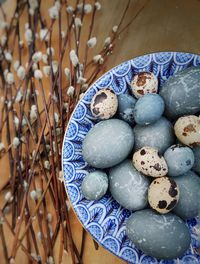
(167, 25)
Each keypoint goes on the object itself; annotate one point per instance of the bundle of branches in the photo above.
(45, 68)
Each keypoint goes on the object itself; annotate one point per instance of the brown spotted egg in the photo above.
(143, 83)
(163, 194)
(148, 161)
(104, 104)
(187, 130)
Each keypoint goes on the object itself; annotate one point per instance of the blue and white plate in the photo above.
(105, 219)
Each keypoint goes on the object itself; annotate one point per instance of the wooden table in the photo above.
(167, 25)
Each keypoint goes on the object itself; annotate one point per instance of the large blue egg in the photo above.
(179, 159)
(107, 143)
(159, 135)
(128, 186)
(126, 104)
(196, 166)
(160, 236)
(181, 93)
(148, 109)
(188, 205)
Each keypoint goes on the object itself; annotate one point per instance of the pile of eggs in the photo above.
(146, 151)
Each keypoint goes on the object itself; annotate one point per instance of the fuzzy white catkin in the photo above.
(15, 142)
(70, 91)
(107, 41)
(49, 217)
(51, 51)
(73, 57)
(77, 22)
(46, 165)
(53, 12)
(2, 147)
(67, 72)
(3, 40)
(92, 42)
(19, 96)
(38, 74)
(44, 58)
(33, 195)
(81, 80)
(97, 6)
(21, 72)
(24, 122)
(28, 35)
(34, 66)
(8, 56)
(96, 58)
(9, 78)
(16, 65)
(33, 4)
(46, 70)
(87, 8)
(37, 56)
(16, 122)
(33, 113)
(70, 9)
(44, 35)
(8, 196)
(56, 117)
(115, 28)
(54, 66)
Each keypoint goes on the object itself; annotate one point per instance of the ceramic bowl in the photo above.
(105, 219)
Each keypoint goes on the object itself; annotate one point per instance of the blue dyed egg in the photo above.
(148, 109)
(107, 143)
(159, 135)
(196, 166)
(180, 159)
(94, 185)
(128, 186)
(181, 93)
(188, 205)
(126, 104)
(160, 236)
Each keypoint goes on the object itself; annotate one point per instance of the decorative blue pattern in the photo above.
(105, 219)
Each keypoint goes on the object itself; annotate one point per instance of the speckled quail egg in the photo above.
(143, 83)
(180, 159)
(187, 130)
(104, 104)
(163, 194)
(148, 161)
(94, 185)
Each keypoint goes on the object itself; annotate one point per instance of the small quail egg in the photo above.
(143, 83)
(94, 185)
(104, 104)
(148, 161)
(163, 194)
(187, 130)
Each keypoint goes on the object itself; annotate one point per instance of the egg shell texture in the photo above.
(196, 166)
(160, 236)
(128, 186)
(94, 185)
(148, 109)
(163, 194)
(148, 161)
(181, 93)
(143, 83)
(107, 143)
(187, 130)
(126, 104)
(104, 104)
(159, 135)
(188, 205)
(180, 159)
